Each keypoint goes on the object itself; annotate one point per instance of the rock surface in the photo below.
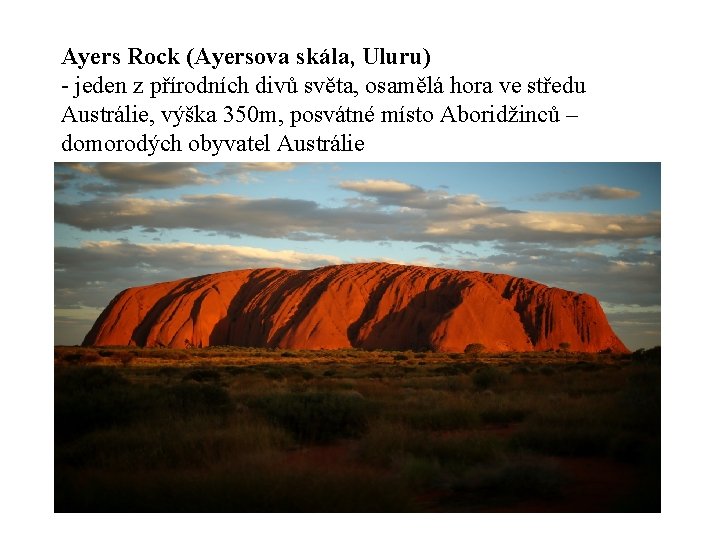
(370, 306)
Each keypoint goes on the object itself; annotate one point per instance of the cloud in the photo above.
(89, 276)
(626, 282)
(380, 187)
(113, 178)
(639, 328)
(245, 172)
(76, 167)
(131, 177)
(449, 218)
(630, 276)
(65, 173)
(599, 192)
(431, 247)
(128, 178)
(401, 194)
(71, 326)
(238, 168)
(420, 216)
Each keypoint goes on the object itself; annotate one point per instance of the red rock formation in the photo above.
(374, 305)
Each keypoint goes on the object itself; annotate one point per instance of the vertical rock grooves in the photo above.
(369, 305)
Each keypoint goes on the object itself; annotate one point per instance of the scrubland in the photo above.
(239, 429)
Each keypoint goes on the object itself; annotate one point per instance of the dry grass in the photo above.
(215, 429)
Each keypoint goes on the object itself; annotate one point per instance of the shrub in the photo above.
(71, 358)
(87, 398)
(202, 375)
(168, 354)
(651, 356)
(315, 416)
(81, 357)
(87, 379)
(487, 376)
(522, 369)
(167, 371)
(447, 370)
(465, 367)
(124, 357)
(392, 441)
(237, 370)
(504, 414)
(193, 399)
(274, 374)
(474, 348)
(447, 413)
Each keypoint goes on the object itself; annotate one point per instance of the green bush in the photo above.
(315, 416)
(447, 370)
(274, 374)
(487, 376)
(523, 370)
(547, 370)
(167, 371)
(88, 398)
(202, 375)
(193, 399)
(91, 398)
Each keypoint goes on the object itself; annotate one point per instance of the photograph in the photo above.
(357, 337)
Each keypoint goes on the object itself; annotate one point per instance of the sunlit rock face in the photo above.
(370, 306)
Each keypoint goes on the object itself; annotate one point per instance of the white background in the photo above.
(651, 73)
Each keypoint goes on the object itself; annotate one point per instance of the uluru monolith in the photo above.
(369, 306)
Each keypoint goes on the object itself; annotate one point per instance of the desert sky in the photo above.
(587, 227)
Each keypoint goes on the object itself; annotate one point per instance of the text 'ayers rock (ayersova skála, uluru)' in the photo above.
(369, 306)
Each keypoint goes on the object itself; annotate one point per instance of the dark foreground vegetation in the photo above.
(229, 429)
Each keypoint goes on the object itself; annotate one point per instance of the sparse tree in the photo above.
(473, 350)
